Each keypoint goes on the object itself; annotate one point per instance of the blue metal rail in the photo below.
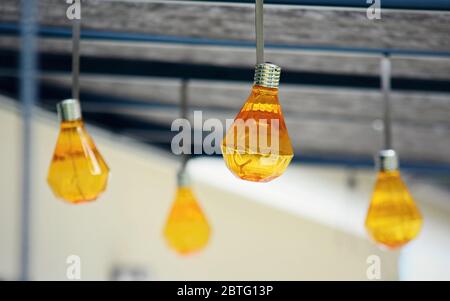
(443, 5)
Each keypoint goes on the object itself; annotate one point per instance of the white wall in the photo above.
(253, 238)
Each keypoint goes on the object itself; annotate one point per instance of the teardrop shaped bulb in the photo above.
(257, 145)
(77, 171)
(393, 218)
(187, 230)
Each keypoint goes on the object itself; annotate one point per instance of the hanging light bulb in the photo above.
(187, 230)
(77, 171)
(257, 145)
(393, 218)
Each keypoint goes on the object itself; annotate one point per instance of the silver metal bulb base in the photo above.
(267, 75)
(69, 110)
(387, 160)
(183, 179)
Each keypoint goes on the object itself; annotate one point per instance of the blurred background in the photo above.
(306, 225)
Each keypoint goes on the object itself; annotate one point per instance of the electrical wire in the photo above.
(76, 58)
(184, 115)
(259, 28)
(386, 90)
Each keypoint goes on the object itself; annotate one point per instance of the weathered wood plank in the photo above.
(359, 106)
(323, 27)
(332, 137)
(425, 68)
(320, 121)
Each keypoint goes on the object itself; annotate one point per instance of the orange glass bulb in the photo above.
(77, 171)
(187, 230)
(393, 218)
(255, 148)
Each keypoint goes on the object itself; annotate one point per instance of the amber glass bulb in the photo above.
(77, 171)
(187, 230)
(260, 163)
(393, 218)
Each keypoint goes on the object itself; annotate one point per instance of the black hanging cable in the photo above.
(76, 58)
(259, 29)
(184, 115)
(386, 90)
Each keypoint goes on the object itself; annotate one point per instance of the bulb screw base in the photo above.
(183, 179)
(387, 160)
(69, 110)
(267, 75)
